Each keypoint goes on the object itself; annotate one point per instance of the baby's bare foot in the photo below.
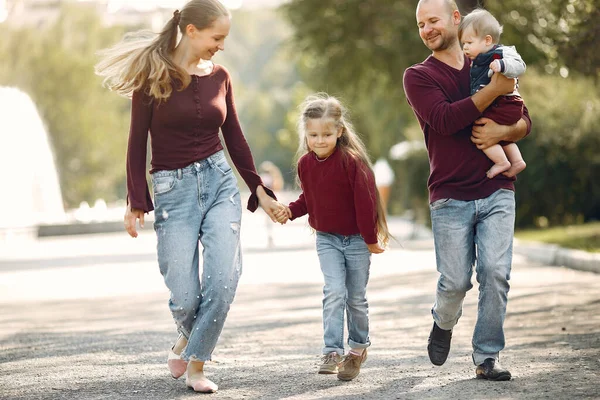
(515, 168)
(498, 169)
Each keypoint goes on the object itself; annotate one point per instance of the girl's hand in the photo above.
(375, 248)
(283, 215)
(131, 215)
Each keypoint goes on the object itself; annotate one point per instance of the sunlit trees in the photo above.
(360, 49)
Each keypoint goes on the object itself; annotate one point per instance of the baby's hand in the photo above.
(496, 66)
(375, 248)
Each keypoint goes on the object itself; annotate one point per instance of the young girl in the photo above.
(183, 100)
(342, 203)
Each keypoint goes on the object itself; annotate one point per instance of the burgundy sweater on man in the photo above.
(339, 195)
(440, 98)
(185, 129)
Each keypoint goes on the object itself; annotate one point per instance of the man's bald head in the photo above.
(450, 5)
(438, 22)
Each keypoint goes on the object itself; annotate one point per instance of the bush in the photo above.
(561, 184)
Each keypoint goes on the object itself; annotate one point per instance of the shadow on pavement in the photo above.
(115, 348)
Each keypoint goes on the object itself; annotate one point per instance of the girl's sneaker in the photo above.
(349, 368)
(330, 363)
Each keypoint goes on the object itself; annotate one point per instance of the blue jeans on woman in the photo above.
(345, 262)
(199, 203)
(474, 234)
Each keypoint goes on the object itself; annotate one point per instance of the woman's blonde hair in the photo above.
(323, 106)
(142, 60)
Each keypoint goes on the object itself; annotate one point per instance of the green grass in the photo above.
(582, 237)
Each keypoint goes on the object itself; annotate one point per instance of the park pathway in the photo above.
(85, 317)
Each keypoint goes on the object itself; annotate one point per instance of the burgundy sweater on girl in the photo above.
(440, 98)
(338, 194)
(185, 129)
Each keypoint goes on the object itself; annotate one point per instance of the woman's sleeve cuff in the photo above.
(253, 200)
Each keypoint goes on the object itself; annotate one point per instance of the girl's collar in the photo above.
(321, 160)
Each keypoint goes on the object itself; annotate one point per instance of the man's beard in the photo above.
(446, 42)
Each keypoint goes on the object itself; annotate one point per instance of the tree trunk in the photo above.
(466, 6)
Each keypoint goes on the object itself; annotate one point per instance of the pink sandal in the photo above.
(176, 365)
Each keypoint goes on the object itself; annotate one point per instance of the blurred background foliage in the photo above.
(360, 49)
(354, 49)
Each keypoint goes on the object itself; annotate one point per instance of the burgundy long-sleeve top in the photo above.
(339, 195)
(440, 98)
(185, 129)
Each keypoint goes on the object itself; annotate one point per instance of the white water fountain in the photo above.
(29, 188)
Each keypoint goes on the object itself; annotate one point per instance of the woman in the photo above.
(183, 100)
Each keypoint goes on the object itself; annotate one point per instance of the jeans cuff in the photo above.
(194, 358)
(355, 345)
(447, 326)
(479, 358)
(327, 350)
(444, 325)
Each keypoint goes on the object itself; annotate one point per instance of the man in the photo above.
(472, 216)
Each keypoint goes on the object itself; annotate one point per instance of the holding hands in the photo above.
(283, 215)
(272, 207)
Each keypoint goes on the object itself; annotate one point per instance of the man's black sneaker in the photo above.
(438, 344)
(491, 370)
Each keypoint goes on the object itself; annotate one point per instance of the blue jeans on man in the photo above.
(474, 234)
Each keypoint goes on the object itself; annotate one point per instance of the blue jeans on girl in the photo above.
(345, 263)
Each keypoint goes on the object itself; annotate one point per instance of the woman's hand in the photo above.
(131, 215)
(268, 204)
(375, 248)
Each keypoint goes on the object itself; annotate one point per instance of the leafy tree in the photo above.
(560, 182)
(553, 33)
(466, 6)
(86, 124)
(361, 49)
(358, 50)
(265, 78)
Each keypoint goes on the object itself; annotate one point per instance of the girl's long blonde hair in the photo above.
(323, 106)
(142, 60)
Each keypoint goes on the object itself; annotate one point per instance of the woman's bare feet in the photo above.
(515, 168)
(196, 379)
(176, 365)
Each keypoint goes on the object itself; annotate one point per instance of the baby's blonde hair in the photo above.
(483, 23)
(328, 108)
